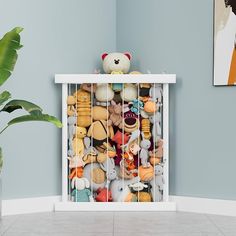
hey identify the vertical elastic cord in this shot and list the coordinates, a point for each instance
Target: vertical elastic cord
(91, 138)
(108, 134)
(122, 135)
(161, 126)
(138, 137)
(76, 137)
(69, 185)
(154, 143)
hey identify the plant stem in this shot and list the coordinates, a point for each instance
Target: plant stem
(3, 129)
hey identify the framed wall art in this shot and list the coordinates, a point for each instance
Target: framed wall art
(224, 42)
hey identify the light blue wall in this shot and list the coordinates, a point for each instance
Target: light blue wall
(60, 37)
(176, 37)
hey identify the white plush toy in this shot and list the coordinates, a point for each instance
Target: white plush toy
(155, 119)
(116, 63)
(157, 183)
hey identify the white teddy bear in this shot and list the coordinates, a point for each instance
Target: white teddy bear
(116, 63)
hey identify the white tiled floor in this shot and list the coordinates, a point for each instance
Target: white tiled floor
(118, 224)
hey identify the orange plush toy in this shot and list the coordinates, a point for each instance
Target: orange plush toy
(76, 172)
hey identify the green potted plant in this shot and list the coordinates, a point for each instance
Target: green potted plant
(9, 45)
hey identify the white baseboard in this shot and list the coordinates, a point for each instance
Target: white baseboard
(115, 206)
(187, 204)
(29, 205)
(205, 205)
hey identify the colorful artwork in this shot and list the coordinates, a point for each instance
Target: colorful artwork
(225, 42)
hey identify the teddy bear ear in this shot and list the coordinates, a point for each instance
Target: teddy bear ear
(104, 55)
(128, 55)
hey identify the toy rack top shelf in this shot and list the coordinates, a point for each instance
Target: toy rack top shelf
(115, 78)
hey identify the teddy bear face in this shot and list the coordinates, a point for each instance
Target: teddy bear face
(116, 62)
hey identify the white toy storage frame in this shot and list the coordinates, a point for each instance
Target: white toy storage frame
(66, 79)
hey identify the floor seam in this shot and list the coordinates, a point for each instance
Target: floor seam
(215, 224)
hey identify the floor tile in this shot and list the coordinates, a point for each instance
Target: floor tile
(164, 222)
(54, 234)
(167, 234)
(121, 223)
(66, 222)
(226, 224)
(6, 222)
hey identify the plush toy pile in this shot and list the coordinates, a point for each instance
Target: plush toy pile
(115, 146)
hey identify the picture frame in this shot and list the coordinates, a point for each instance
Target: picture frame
(224, 56)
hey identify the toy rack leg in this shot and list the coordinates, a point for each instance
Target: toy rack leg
(64, 144)
(166, 141)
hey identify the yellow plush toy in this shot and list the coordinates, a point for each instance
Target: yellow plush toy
(78, 141)
(83, 107)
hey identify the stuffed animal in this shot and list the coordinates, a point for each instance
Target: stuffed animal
(99, 131)
(120, 189)
(145, 145)
(81, 193)
(157, 184)
(104, 94)
(71, 122)
(78, 141)
(156, 127)
(103, 195)
(90, 153)
(144, 114)
(115, 114)
(116, 63)
(144, 91)
(131, 122)
(83, 107)
(157, 154)
(137, 105)
(155, 93)
(120, 138)
(89, 87)
(142, 191)
(135, 72)
(116, 87)
(99, 113)
(145, 124)
(96, 176)
(71, 101)
(129, 92)
(75, 161)
(132, 145)
(109, 167)
(127, 166)
(150, 107)
(76, 172)
(146, 174)
(124, 171)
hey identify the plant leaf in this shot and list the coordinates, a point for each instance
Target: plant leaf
(9, 45)
(4, 96)
(41, 117)
(22, 104)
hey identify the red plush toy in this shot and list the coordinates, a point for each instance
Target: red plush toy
(103, 195)
(120, 138)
